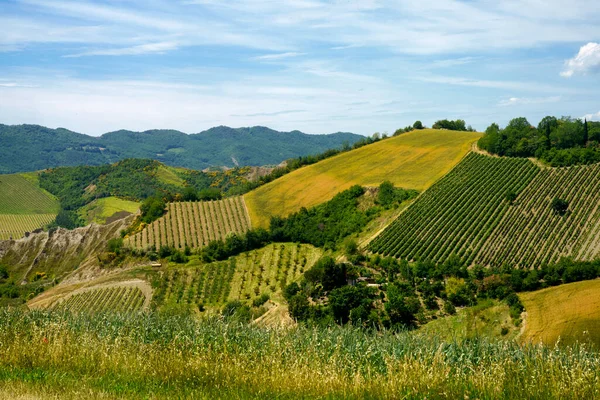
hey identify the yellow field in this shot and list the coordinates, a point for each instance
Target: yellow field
(414, 160)
(100, 210)
(570, 312)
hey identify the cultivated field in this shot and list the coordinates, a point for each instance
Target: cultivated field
(109, 299)
(194, 224)
(457, 214)
(101, 210)
(413, 160)
(467, 214)
(15, 226)
(24, 207)
(567, 313)
(244, 277)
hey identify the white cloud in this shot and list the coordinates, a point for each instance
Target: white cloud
(279, 56)
(516, 101)
(586, 61)
(592, 117)
(150, 48)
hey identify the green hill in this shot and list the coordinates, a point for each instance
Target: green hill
(34, 147)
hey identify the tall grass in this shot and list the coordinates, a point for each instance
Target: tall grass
(147, 356)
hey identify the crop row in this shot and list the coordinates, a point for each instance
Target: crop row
(19, 196)
(531, 233)
(203, 285)
(194, 224)
(459, 213)
(112, 299)
(15, 225)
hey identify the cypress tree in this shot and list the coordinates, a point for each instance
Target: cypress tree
(585, 132)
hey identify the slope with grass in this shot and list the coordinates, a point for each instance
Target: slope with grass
(568, 313)
(413, 160)
(194, 224)
(107, 209)
(24, 207)
(469, 213)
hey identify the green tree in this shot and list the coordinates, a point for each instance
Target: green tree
(387, 194)
(560, 206)
(418, 125)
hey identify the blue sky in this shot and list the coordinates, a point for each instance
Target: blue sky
(317, 66)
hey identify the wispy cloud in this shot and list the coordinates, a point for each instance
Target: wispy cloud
(269, 114)
(150, 48)
(516, 101)
(586, 61)
(592, 117)
(278, 56)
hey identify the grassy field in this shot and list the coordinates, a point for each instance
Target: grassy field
(569, 313)
(100, 210)
(24, 207)
(146, 356)
(413, 160)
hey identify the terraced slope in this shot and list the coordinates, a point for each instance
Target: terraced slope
(24, 207)
(244, 277)
(466, 214)
(567, 313)
(194, 224)
(413, 160)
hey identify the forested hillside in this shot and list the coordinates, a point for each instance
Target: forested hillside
(33, 147)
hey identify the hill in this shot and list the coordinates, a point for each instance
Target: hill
(468, 214)
(568, 313)
(34, 147)
(413, 160)
(24, 207)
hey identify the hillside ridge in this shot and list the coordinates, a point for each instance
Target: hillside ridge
(34, 147)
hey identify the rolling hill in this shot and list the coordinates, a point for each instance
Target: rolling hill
(467, 214)
(34, 147)
(24, 207)
(413, 160)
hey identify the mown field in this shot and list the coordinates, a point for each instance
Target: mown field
(245, 277)
(467, 214)
(101, 210)
(194, 224)
(413, 160)
(147, 356)
(567, 314)
(24, 207)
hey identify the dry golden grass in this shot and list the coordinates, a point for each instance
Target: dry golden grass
(413, 160)
(570, 312)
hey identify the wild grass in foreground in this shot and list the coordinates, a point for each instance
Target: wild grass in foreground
(145, 356)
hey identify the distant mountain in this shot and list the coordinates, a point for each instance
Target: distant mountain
(34, 147)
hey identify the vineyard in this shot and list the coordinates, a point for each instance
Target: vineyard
(113, 299)
(244, 277)
(15, 226)
(467, 214)
(531, 233)
(458, 214)
(194, 224)
(23, 207)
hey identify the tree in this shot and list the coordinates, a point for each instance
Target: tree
(418, 125)
(559, 206)
(586, 137)
(510, 196)
(386, 195)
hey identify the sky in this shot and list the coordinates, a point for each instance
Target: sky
(318, 66)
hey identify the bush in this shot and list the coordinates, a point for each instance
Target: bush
(259, 301)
